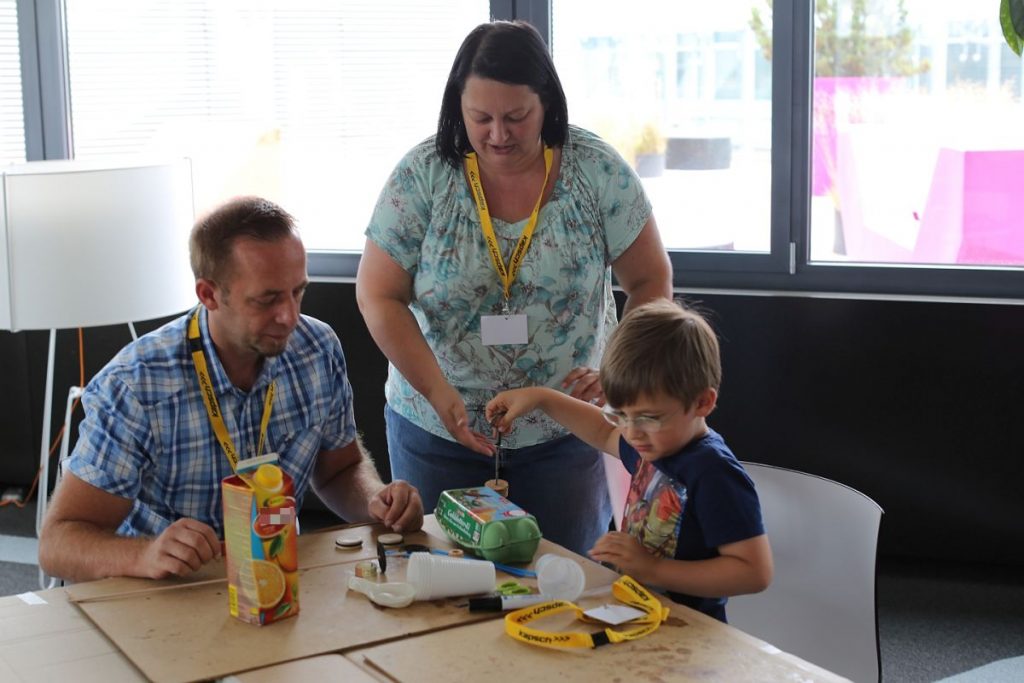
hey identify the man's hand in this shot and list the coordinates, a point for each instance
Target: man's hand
(79, 540)
(625, 552)
(183, 547)
(399, 506)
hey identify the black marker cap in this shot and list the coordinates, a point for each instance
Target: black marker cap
(491, 603)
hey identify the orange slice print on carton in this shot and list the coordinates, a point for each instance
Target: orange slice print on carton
(267, 582)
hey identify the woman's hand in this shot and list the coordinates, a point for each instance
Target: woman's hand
(452, 410)
(586, 385)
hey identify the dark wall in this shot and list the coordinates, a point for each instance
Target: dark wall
(915, 404)
(18, 406)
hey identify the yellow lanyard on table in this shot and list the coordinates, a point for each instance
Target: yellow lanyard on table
(195, 344)
(507, 275)
(626, 590)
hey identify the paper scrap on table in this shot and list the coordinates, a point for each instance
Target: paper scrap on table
(614, 614)
(31, 599)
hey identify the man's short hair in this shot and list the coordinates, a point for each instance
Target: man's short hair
(213, 236)
(661, 347)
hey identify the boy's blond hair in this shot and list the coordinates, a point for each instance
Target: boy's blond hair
(661, 347)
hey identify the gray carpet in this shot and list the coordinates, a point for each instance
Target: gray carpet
(17, 521)
(18, 578)
(937, 621)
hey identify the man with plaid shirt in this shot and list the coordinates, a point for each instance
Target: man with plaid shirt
(141, 494)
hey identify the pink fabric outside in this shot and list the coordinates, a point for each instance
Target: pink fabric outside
(968, 216)
(842, 96)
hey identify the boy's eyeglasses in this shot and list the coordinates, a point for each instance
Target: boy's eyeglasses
(643, 423)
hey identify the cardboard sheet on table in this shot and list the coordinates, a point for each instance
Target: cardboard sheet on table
(53, 640)
(689, 646)
(187, 634)
(151, 621)
(322, 668)
(184, 632)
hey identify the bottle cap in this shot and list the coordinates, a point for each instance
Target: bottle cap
(268, 477)
(348, 542)
(366, 570)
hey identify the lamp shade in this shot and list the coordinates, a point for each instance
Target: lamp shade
(94, 243)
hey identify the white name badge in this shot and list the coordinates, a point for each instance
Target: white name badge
(503, 329)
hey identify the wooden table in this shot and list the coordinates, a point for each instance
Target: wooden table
(134, 629)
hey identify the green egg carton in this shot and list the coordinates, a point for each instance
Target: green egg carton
(487, 524)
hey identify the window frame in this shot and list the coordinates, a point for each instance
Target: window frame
(787, 268)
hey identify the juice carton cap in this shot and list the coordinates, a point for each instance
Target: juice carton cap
(268, 477)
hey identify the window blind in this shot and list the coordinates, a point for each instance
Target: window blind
(301, 101)
(12, 119)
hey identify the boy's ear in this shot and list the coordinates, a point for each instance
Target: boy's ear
(706, 402)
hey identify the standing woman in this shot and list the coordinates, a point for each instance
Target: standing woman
(488, 266)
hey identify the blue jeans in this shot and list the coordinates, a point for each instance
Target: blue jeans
(561, 483)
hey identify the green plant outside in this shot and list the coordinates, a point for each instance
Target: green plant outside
(1011, 19)
(650, 141)
(856, 53)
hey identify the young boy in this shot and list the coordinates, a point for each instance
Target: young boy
(692, 524)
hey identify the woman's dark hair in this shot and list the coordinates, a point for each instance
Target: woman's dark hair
(511, 52)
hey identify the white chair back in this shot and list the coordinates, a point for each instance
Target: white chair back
(821, 603)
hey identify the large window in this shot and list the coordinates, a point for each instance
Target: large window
(307, 102)
(913, 170)
(12, 121)
(675, 88)
(836, 146)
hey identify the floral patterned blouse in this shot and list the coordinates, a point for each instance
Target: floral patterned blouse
(426, 220)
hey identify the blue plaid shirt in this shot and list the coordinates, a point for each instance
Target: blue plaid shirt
(146, 434)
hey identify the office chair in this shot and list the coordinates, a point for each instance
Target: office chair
(821, 603)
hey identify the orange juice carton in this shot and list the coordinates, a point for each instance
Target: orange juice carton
(260, 547)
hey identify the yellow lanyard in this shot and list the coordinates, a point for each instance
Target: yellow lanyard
(195, 344)
(507, 275)
(626, 590)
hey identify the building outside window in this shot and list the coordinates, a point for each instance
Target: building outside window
(891, 125)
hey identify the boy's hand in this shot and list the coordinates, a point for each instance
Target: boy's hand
(503, 409)
(625, 552)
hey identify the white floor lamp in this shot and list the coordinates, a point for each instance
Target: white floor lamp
(84, 244)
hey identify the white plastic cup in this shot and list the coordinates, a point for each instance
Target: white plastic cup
(560, 578)
(440, 576)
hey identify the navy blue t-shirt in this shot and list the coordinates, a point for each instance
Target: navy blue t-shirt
(686, 505)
